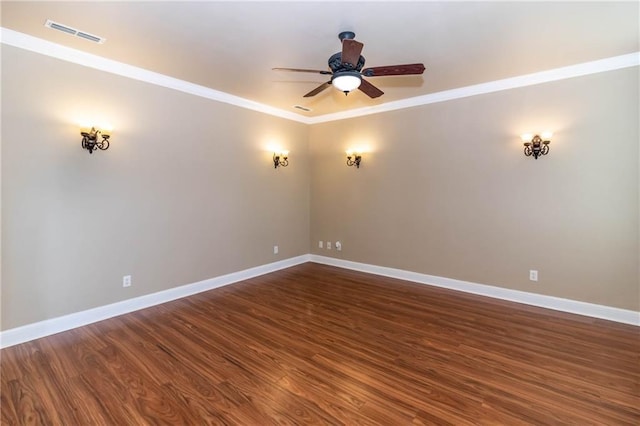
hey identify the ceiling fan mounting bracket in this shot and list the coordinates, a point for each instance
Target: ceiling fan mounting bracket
(347, 35)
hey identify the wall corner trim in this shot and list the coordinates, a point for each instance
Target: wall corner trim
(542, 301)
(48, 327)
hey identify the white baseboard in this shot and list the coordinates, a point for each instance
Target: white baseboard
(48, 327)
(550, 302)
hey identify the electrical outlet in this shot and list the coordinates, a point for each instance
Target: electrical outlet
(328, 245)
(126, 281)
(338, 246)
(275, 249)
(533, 275)
(320, 244)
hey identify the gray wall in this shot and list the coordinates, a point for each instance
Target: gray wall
(447, 191)
(187, 191)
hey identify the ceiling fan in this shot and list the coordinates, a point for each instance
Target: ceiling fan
(346, 69)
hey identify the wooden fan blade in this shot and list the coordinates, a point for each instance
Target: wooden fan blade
(407, 69)
(303, 70)
(351, 51)
(369, 89)
(318, 89)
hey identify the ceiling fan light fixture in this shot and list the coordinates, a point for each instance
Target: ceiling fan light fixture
(346, 81)
(346, 70)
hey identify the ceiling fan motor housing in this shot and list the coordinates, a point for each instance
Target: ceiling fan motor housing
(336, 65)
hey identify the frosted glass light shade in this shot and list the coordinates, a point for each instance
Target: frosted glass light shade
(347, 81)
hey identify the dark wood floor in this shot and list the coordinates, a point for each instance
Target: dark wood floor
(315, 344)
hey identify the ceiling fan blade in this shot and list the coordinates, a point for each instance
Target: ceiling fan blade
(318, 89)
(407, 69)
(369, 89)
(303, 70)
(351, 51)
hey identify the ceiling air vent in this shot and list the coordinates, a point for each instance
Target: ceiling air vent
(74, 32)
(305, 109)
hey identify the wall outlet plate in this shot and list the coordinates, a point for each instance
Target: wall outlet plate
(533, 275)
(126, 281)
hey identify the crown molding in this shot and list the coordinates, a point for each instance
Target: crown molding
(578, 70)
(47, 48)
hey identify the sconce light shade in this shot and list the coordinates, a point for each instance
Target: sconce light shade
(354, 159)
(536, 145)
(346, 81)
(281, 159)
(91, 141)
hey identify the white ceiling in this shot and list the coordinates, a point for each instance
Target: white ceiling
(232, 46)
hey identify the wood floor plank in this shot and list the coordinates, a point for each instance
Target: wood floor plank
(315, 344)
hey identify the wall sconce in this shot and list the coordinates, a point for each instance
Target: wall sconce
(281, 159)
(536, 145)
(354, 159)
(90, 139)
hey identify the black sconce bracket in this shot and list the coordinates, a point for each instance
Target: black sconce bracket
(280, 160)
(90, 140)
(536, 147)
(354, 160)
